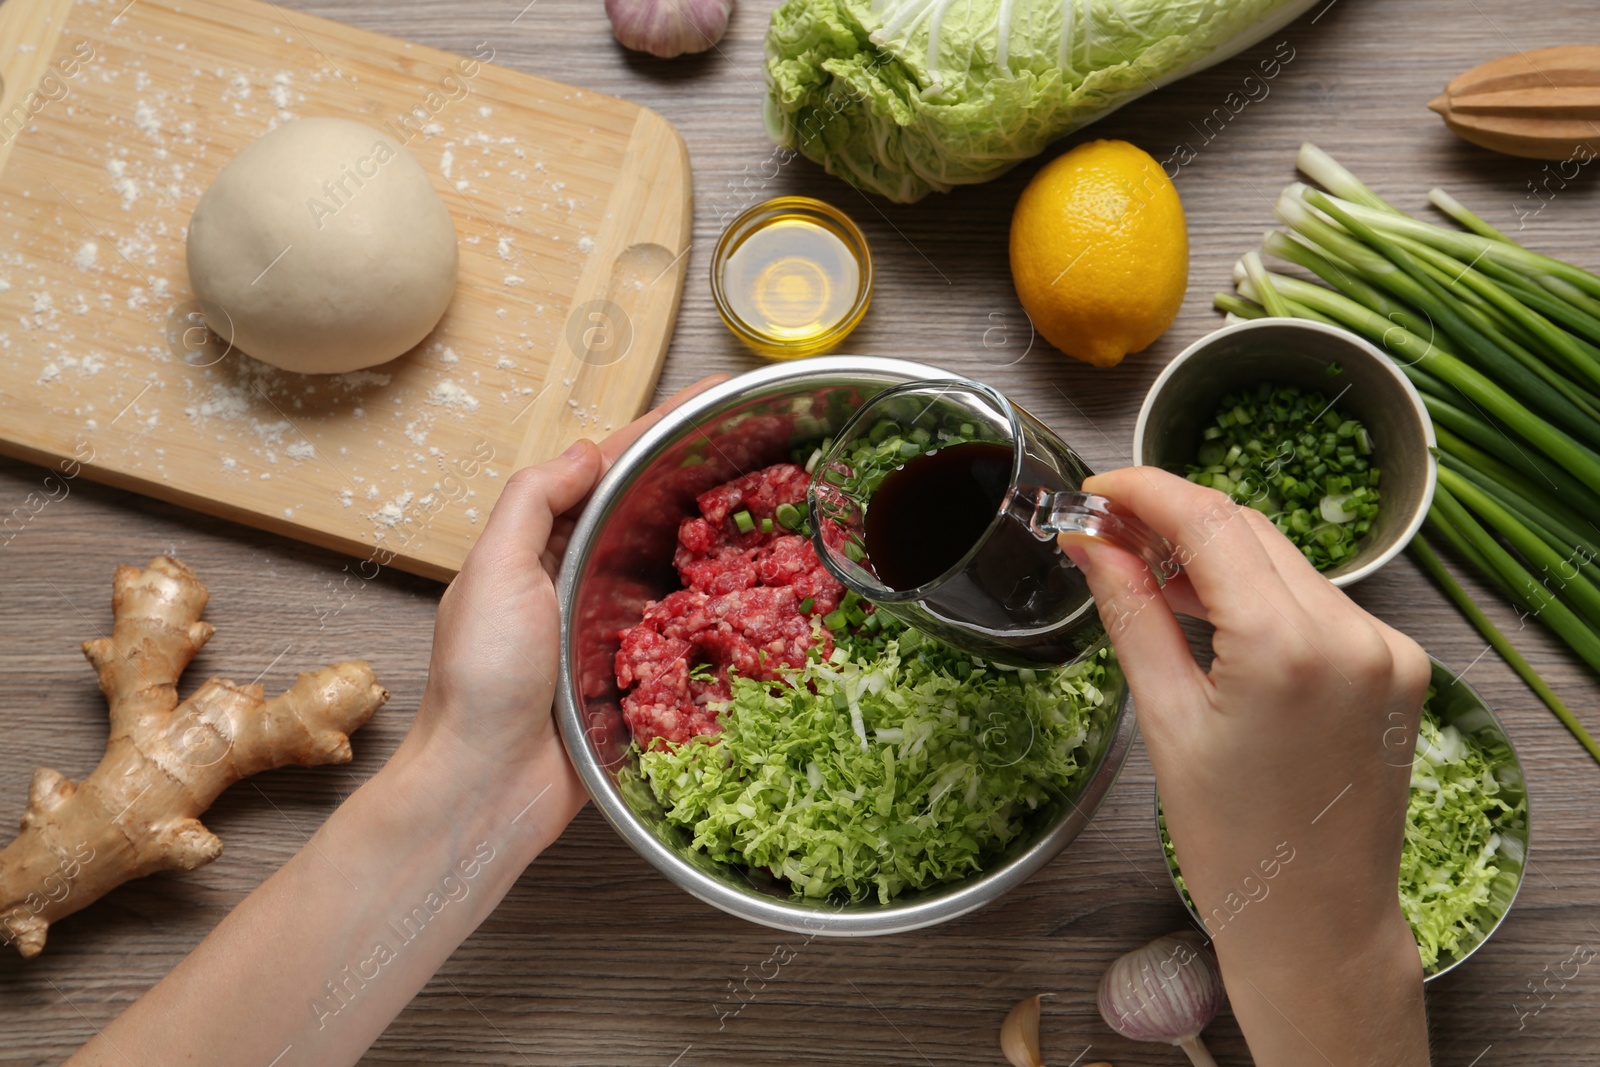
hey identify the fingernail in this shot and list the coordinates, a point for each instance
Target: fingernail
(576, 449)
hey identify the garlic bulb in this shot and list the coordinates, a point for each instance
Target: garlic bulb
(668, 28)
(1168, 991)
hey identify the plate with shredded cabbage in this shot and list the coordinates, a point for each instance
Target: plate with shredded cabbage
(1466, 838)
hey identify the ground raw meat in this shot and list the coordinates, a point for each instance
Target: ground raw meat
(739, 610)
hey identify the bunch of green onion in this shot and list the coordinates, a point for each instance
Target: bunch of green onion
(1504, 345)
(1290, 455)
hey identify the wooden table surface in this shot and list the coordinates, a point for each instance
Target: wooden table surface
(594, 958)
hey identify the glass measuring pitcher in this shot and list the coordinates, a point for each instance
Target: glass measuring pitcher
(971, 493)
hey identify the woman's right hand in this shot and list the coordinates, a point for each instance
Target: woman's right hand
(1284, 771)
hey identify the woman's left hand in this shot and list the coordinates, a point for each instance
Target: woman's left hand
(491, 681)
(413, 861)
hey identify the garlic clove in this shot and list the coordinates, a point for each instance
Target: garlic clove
(669, 28)
(1019, 1034)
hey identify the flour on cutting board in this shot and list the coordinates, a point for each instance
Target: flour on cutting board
(448, 394)
(248, 421)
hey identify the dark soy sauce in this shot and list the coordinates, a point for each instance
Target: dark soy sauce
(1019, 599)
(929, 513)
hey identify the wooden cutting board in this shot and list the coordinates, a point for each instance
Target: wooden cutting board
(573, 215)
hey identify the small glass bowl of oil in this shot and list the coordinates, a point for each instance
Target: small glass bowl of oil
(792, 277)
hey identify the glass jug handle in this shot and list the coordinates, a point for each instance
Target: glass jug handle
(1092, 515)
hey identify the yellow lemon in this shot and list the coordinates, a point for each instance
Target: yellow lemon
(1100, 251)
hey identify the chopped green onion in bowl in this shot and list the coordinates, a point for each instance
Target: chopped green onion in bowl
(1296, 458)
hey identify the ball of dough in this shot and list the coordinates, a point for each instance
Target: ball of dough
(323, 248)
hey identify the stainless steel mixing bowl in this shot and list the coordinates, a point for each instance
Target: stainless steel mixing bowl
(620, 557)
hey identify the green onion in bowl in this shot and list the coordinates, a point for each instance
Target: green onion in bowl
(1290, 454)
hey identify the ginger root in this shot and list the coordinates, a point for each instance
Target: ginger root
(165, 762)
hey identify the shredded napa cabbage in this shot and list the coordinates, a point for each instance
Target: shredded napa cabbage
(1463, 852)
(896, 766)
(1459, 866)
